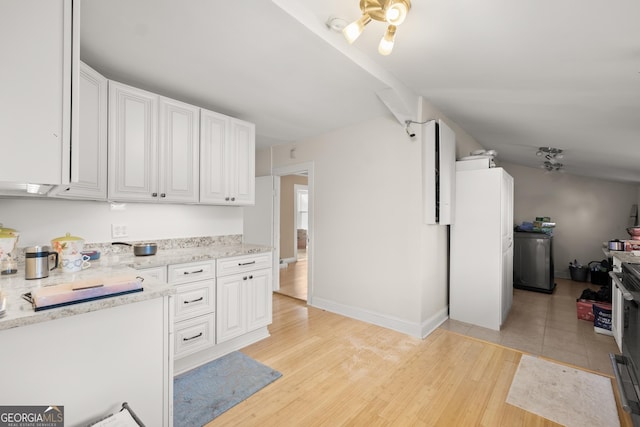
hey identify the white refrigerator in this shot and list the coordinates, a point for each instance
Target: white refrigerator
(481, 251)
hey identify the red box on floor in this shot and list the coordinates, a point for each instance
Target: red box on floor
(584, 308)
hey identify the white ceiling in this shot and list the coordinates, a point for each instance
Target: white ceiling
(516, 75)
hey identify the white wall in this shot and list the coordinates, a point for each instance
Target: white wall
(373, 258)
(367, 213)
(40, 220)
(587, 211)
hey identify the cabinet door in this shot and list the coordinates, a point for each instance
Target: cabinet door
(133, 163)
(242, 160)
(178, 142)
(89, 148)
(35, 83)
(231, 307)
(259, 299)
(214, 128)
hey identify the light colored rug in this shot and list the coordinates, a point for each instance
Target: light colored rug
(207, 391)
(565, 395)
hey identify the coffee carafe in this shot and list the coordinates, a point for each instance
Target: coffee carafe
(38, 261)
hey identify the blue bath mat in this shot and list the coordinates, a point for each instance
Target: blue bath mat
(205, 392)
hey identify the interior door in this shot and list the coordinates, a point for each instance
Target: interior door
(259, 220)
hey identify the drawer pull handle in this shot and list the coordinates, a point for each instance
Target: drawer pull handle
(244, 278)
(194, 272)
(240, 264)
(193, 300)
(193, 337)
(250, 277)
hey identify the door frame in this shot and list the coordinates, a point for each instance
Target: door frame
(308, 168)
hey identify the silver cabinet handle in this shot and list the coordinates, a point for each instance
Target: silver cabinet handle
(193, 272)
(193, 300)
(193, 337)
(240, 264)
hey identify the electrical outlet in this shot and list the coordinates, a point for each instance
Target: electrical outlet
(119, 230)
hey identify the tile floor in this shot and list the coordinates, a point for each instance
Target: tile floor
(548, 325)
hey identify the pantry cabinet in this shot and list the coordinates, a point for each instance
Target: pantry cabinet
(153, 147)
(89, 148)
(227, 160)
(244, 288)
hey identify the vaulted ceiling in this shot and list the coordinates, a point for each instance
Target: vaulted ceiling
(516, 75)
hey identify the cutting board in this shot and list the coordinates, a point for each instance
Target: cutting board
(84, 290)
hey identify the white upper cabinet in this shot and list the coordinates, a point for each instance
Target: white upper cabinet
(35, 83)
(151, 159)
(178, 149)
(227, 160)
(89, 147)
(133, 143)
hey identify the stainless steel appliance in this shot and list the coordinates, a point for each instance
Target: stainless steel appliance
(625, 366)
(533, 262)
(37, 261)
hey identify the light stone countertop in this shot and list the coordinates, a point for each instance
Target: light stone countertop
(622, 256)
(19, 312)
(183, 255)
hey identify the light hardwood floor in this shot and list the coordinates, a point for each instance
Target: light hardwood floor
(293, 278)
(341, 371)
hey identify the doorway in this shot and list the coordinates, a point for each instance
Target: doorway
(295, 201)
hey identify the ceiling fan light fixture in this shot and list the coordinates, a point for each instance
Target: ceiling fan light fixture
(352, 31)
(551, 156)
(386, 43)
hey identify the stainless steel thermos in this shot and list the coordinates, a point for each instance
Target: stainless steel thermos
(37, 261)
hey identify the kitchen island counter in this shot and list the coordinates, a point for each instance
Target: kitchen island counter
(20, 312)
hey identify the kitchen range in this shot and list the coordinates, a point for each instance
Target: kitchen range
(627, 316)
(194, 301)
(625, 322)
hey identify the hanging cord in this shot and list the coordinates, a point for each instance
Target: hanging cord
(408, 122)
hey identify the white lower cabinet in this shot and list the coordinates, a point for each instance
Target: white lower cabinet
(244, 296)
(194, 335)
(220, 306)
(157, 273)
(194, 306)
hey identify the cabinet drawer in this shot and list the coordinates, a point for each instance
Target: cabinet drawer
(194, 335)
(241, 264)
(189, 272)
(194, 299)
(156, 273)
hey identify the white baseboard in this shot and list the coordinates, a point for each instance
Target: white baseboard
(432, 323)
(384, 320)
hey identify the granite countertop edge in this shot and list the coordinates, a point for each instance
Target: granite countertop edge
(19, 312)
